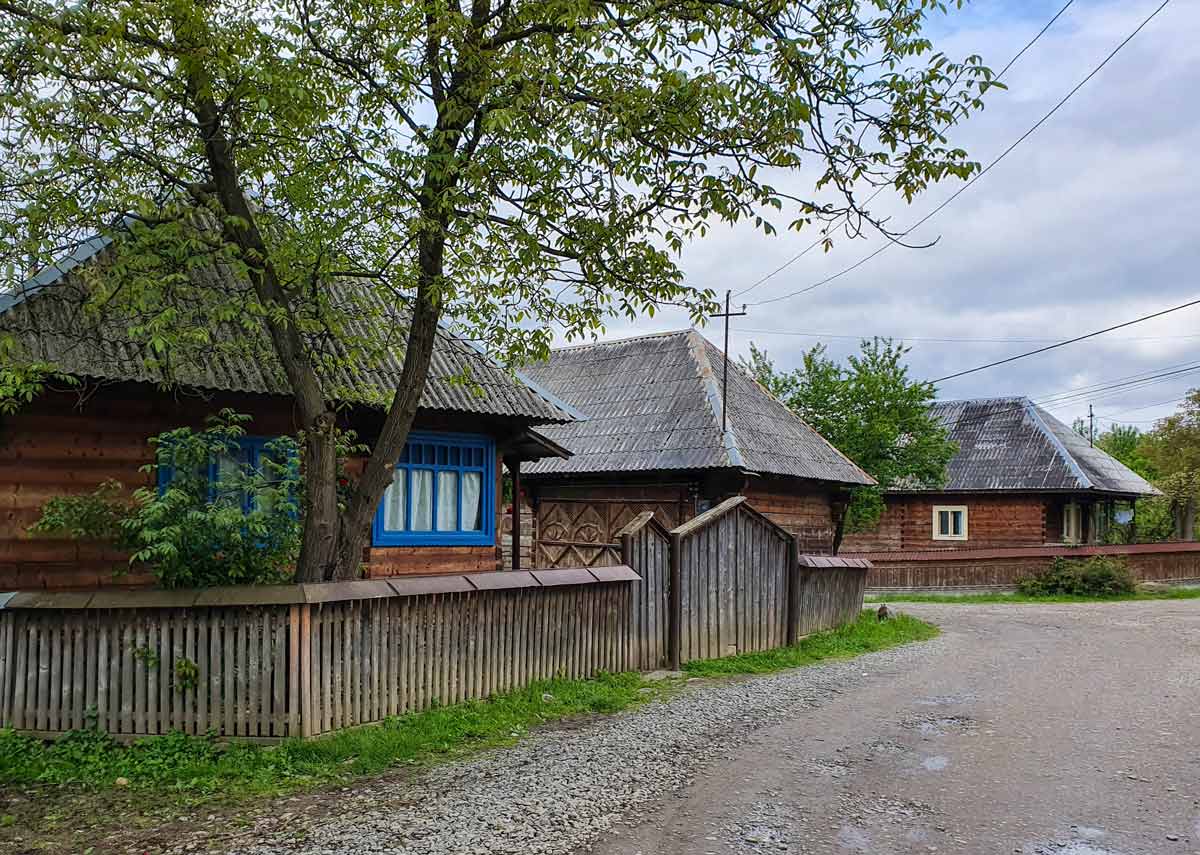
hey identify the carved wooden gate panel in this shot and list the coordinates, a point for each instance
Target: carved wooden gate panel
(583, 532)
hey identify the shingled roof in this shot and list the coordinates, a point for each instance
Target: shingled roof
(1012, 444)
(46, 317)
(654, 403)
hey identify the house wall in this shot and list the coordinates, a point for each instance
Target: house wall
(65, 443)
(577, 521)
(804, 509)
(1014, 519)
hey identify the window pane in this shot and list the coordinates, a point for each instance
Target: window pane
(393, 502)
(943, 522)
(447, 510)
(472, 501)
(956, 518)
(422, 500)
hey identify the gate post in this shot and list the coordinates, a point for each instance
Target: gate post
(793, 591)
(675, 604)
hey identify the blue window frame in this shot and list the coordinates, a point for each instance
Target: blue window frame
(443, 493)
(250, 452)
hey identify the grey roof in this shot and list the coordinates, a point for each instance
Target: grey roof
(48, 318)
(1011, 444)
(654, 403)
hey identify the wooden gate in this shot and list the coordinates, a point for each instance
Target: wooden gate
(587, 532)
(646, 545)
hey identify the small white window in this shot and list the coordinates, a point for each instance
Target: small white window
(1072, 523)
(950, 522)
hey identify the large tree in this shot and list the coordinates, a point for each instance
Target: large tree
(1172, 449)
(872, 411)
(513, 166)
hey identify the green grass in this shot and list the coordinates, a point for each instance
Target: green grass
(966, 599)
(865, 635)
(186, 764)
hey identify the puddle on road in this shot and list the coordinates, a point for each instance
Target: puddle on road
(935, 764)
(938, 725)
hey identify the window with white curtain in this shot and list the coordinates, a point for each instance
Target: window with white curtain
(442, 493)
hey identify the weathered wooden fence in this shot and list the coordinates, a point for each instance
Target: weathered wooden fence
(830, 591)
(730, 581)
(300, 660)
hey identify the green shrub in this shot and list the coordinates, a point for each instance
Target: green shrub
(209, 520)
(1099, 576)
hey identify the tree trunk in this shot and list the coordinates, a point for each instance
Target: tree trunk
(1188, 519)
(319, 538)
(422, 333)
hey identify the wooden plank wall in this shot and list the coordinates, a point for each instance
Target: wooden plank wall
(646, 548)
(733, 585)
(377, 658)
(829, 597)
(268, 672)
(150, 671)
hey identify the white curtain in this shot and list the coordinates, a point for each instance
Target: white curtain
(422, 500)
(393, 502)
(447, 511)
(472, 501)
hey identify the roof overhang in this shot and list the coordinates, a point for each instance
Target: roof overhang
(531, 445)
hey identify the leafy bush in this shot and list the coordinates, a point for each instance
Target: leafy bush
(1099, 576)
(214, 521)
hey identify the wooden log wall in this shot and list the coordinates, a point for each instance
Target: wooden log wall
(279, 669)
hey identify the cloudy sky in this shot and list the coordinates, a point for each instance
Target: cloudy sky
(1091, 221)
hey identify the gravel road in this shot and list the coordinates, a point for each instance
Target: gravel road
(1047, 729)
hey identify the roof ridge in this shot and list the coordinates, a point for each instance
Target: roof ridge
(640, 337)
(716, 401)
(1049, 433)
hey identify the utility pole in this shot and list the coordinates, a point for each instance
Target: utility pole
(1091, 426)
(725, 380)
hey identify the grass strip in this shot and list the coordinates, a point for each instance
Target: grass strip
(193, 769)
(865, 635)
(186, 764)
(967, 599)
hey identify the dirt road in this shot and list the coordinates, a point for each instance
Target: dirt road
(1069, 729)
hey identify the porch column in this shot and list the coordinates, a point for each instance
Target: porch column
(514, 469)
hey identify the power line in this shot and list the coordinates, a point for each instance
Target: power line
(927, 340)
(979, 174)
(879, 190)
(1067, 341)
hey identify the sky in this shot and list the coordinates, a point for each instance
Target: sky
(1090, 222)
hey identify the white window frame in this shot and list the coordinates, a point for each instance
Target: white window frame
(1072, 523)
(940, 509)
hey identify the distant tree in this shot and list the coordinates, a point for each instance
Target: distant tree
(513, 168)
(872, 411)
(1124, 442)
(1172, 448)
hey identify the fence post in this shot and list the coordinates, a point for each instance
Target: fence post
(793, 600)
(304, 662)
(675, 604)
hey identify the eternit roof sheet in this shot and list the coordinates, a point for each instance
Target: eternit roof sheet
(1012, 444)
(48, 318)
(654, 403)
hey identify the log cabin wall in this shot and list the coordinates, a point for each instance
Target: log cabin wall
(802, 508)
(69, 442)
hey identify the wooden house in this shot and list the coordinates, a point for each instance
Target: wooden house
(1020, 478)
(659, 432)
(440, 515)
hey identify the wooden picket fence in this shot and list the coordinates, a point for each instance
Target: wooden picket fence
(265, 663)
(300, 660)
(731, 581)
